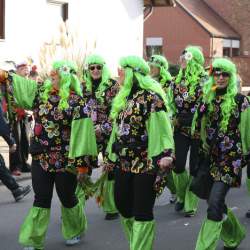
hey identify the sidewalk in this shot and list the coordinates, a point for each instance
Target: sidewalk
(4, 150)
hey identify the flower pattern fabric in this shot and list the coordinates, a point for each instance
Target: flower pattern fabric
(185, 105)
(227, 157)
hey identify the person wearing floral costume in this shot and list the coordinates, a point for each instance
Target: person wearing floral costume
(223, 115)
(100, 91)
(159, 72)
(141, 146)
(62, 146)
(185, 93)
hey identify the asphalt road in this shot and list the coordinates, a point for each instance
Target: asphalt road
(174, 231)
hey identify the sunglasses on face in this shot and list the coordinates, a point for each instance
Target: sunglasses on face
(220, 73)
(93, 67)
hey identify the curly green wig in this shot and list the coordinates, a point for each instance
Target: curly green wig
(68, 80)
(134, 66)
(228, 103)
(162, 63)
(104, 84)
(194, 70)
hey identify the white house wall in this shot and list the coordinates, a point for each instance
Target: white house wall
(115, 25)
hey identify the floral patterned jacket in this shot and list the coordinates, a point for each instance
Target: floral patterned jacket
(227, 149)
(60, 136)
(142, 126)
(99, 109)
(184, 105)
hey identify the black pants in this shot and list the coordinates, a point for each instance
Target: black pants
(19, 158)
(182, 145)
(43, 185)
(5, 176)
(135, 195)
(216, 201)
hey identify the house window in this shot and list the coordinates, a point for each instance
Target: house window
(2, 19)
(154, 46)
(231, 48)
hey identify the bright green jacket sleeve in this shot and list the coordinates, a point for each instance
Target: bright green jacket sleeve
(82, 139)
(112, 156)
(244, 130)
(24, 91)
(160, 133)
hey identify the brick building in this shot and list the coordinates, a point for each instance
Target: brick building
(220, 27)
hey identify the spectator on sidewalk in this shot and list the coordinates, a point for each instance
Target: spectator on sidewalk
(8, 180)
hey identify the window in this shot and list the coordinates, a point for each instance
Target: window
(154, 46)
(231, 48)
(2, 19)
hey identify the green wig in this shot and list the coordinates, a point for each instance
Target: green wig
(194, 70)
(228, 103)
(104, 84)
(68, 80)
(134, 66)
(162, 63)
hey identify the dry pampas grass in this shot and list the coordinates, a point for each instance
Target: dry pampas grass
(68, 46)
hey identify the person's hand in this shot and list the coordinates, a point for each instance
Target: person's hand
(98, 132)
(3, 75)
(165, 163)
(13, 148)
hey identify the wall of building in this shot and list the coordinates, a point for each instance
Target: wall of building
(178, 30)
(115, 25)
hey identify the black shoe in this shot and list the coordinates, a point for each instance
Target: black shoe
(20, 192)
(110, 216)
(190, 214)
(179, 206)
(248, 214)
(230, 248)
(26, 168)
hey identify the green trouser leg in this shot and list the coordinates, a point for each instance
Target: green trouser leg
(143, 234)
(170, 183)
(181, 183)
(34, 228)
(108, 197)
(127, 224)
(73, 221)
(248, 185)
(209, 235)
(191, 200)
(232, 232)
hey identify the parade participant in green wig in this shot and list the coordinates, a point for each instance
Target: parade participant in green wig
(223, 115)
(185, 92)
(59, 150)
(100, 90)
(159, 72)
(141, 145)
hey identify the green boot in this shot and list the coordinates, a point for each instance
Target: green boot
(170, 183)
(191, 200)
(232, 232)
(248, 185)
(143, 234)
(209, 235)
(181, 183)
(108, 197)
(127, 224)
(34, 228)
(74, 222)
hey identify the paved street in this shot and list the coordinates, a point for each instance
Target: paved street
(174, 232)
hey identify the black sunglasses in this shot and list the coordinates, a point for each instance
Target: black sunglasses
(93, 67)
(220, 73)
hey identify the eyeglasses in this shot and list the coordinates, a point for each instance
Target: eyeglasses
(93, 67)
(220, 73)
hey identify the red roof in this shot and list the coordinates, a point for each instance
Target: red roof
(159, 2)
(208, 19)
